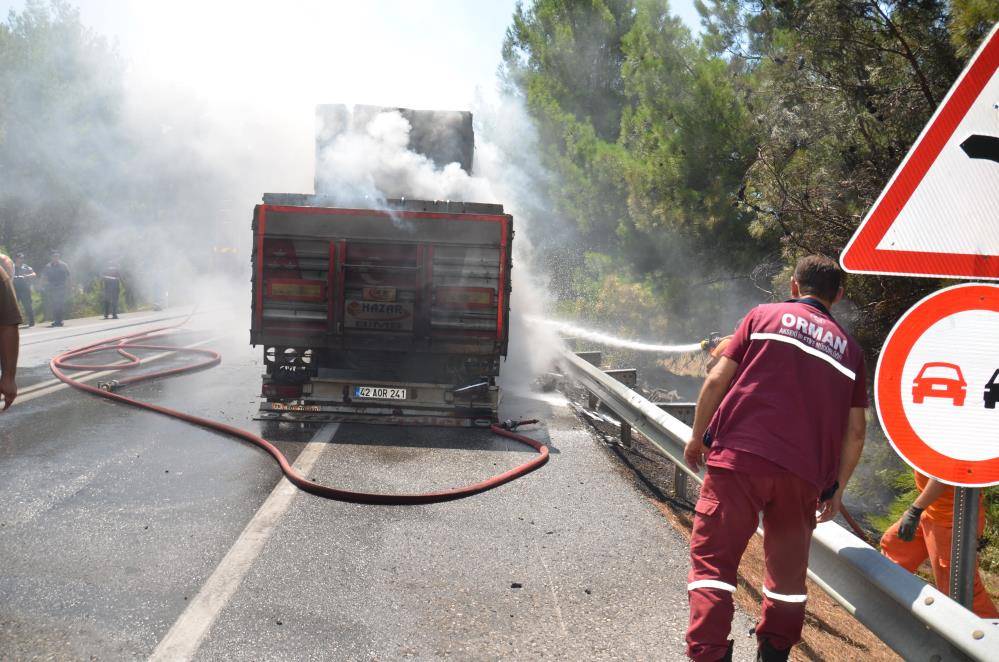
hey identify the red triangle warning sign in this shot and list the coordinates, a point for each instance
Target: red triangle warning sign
(939, 214)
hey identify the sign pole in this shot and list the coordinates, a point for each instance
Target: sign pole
(964, 546)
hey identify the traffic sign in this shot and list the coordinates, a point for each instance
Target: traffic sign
(938, 215)
(937, 385)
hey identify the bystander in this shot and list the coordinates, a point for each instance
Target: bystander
(10, 318)
(55, 287)
(24, 275)
(111, 287)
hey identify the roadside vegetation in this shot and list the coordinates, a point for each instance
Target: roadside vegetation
(86, 170)
(692, 170)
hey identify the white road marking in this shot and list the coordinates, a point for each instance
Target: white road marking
(53, 385)
(66, 332)
(551, 587)
(184, 638)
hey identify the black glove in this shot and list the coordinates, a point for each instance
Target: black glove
(909, 523)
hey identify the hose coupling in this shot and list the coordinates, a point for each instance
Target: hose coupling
(110, 386)
(512, 425)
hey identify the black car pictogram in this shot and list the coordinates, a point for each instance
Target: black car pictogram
(992, 391)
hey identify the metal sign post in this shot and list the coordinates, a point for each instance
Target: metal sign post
(964, 547)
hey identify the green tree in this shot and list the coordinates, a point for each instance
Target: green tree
(61, 86)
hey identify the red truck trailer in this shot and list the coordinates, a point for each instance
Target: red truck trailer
(398, 314)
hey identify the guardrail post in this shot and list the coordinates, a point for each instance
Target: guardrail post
(625, 435)
(679, 482)
(591, 401)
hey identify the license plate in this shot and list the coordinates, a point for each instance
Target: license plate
(380, 392)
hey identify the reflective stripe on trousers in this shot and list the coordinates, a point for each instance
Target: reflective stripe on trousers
(726, 517)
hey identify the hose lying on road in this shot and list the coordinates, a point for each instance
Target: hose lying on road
(147, 340)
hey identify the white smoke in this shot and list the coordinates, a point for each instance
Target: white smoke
(368, 160)
(371, 161)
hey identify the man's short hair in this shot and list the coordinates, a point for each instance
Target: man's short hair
(818, 275)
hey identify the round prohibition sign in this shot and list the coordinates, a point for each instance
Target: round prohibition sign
(937, 385)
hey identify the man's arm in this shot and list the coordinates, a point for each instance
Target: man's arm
(934, 488)
(716, 385)
(9, 343)
(853, 446)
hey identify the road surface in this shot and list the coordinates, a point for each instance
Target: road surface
(126, 535)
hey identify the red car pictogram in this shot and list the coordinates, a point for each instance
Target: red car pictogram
(940, 380)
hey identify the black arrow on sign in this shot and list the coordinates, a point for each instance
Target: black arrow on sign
(982, 147)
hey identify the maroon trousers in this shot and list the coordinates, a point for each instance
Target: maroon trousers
(727, 515)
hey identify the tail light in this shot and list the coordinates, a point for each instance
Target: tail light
(465, 297)
(286, 391)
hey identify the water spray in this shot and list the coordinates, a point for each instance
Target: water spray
(605, 339)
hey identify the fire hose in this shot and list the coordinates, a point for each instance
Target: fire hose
(151, 340)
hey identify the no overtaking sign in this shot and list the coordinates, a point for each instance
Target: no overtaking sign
(937, 385)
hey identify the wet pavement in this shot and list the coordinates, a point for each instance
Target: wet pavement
(114, 520)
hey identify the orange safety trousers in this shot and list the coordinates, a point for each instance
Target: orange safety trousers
(933, 542)
(726, 517)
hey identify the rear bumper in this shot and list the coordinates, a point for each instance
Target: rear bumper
(331, 400)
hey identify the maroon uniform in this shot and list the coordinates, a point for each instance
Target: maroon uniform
(775, 444)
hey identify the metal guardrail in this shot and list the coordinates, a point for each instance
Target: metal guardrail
(913, 618)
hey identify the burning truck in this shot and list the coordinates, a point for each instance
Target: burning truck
(390, 311)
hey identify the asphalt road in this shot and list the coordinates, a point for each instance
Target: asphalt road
(125, 535)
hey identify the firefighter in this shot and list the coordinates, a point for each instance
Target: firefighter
(780, 424)
(715, 347)
(925, 531)
(10, 318)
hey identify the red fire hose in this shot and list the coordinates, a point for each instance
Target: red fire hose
(146, 340)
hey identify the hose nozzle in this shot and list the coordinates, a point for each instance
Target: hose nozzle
(711, 341)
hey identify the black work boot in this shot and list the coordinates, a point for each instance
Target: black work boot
(728, 654)
(767, 653)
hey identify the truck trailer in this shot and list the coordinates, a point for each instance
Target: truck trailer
(394, 313)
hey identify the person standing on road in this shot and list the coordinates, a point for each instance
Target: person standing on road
(111, 283)
(23, 277)
(10, 318)
(925, 531)
(56, 286)
(780, 424)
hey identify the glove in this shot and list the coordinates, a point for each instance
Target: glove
(908, 524)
